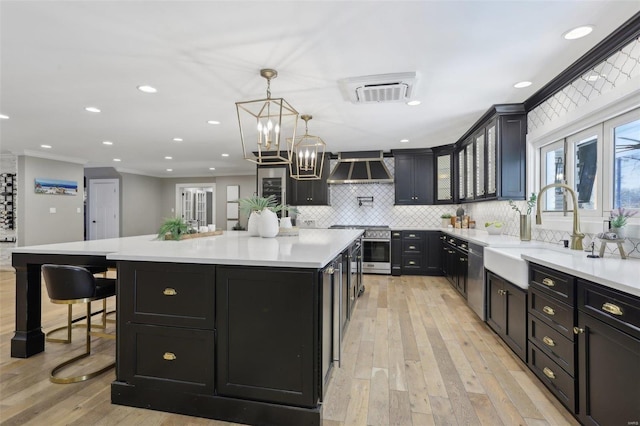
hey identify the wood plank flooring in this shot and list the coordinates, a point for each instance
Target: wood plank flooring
(414, 354)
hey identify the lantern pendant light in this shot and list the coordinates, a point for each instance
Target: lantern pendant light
(264, 123)
(308, 155)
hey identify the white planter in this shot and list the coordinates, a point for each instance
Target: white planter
(285, 222)
(269, 226)
(253, 225)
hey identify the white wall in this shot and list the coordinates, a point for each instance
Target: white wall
(36, 225)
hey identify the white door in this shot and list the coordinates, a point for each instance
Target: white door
(104, 209)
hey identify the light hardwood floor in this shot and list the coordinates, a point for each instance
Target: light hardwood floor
(414, 354)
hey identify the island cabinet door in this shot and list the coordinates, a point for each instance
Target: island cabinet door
(267, 322)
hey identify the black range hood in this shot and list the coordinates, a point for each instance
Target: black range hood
(360, 167)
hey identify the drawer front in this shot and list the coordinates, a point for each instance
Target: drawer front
(167, 294)
(619, 310)
(167, 357)
(554, 313)
(412, 262)
(412, 246)
(554, 283)
(413, 235)
(559, 382)
(557, 347)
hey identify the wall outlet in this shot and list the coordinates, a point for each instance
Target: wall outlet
(78, 210)
(52, 209)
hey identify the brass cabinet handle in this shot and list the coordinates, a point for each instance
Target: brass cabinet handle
(411, 262)
(169, 291)
(548, 310)
(330, 270)
(612, 309)
(412, 247)
(396, 234)
(548, 282)
(463, 245)
(412, 235)
(463, 259)
(550, 374)
(548, 341)
(169, 356)
(578, 330)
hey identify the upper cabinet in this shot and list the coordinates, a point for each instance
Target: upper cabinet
(414, 174)
(310, 192)
(491, 156)
(443, 163)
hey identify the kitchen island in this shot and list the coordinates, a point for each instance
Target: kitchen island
(227, 327)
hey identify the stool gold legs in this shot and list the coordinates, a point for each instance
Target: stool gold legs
(70, 324)
(73, 379)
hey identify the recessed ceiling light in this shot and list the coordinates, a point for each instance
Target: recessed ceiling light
(92, 109)
(45, 146)
(212, 168)
(522, 84)
(225, 155)
(213, 122)
(168, 158)
(578, 32)
(413, 103)
(117, 159)
(4, 117)
(169, 170)
(107, 143)
(404, 140)
(147, 89)
(178, 139)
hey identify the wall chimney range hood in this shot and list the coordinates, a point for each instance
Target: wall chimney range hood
(360, 167)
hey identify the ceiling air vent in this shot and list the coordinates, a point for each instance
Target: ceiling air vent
(397, 87)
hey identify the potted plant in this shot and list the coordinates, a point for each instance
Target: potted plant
(254, 206)
(525, 219)
(446, 220)
(173, 229)
(618, 219)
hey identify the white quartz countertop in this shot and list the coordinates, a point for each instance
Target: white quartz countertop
(312, 248)
(610, 271)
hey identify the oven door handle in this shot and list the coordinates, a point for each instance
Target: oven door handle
(376, 240)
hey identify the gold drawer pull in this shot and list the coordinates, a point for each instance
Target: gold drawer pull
(411, 262)
(548, 282)
(550, 374)
(412, 247)
(169, 291)
(169, 356)
(548, 310)
(396, 234)
(578, 330)
(412, 235)
(548, 341)
(612, 309)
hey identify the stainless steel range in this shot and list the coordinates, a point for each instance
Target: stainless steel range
(376, 248)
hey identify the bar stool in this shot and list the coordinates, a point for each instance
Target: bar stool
(73, 323)
(70, 285)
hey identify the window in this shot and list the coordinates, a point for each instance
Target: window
(625, 133)
(601, 164)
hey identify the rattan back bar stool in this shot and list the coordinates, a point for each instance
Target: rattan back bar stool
(70, 285)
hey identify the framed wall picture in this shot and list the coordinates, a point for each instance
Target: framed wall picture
(55, 187)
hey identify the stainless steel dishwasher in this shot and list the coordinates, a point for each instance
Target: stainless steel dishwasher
(475, 281)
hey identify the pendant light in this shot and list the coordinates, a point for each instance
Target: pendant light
(264, 123)
(308, 155)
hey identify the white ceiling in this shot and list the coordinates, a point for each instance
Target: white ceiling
(58, 57)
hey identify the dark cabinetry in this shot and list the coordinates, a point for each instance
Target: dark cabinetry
(609, 356)
(552, 316)
(416, 253)
(444, 172)
(507, 313)
(490, 158)
(310, 192)
(396, 253)
(414, 175)
(455, 263)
